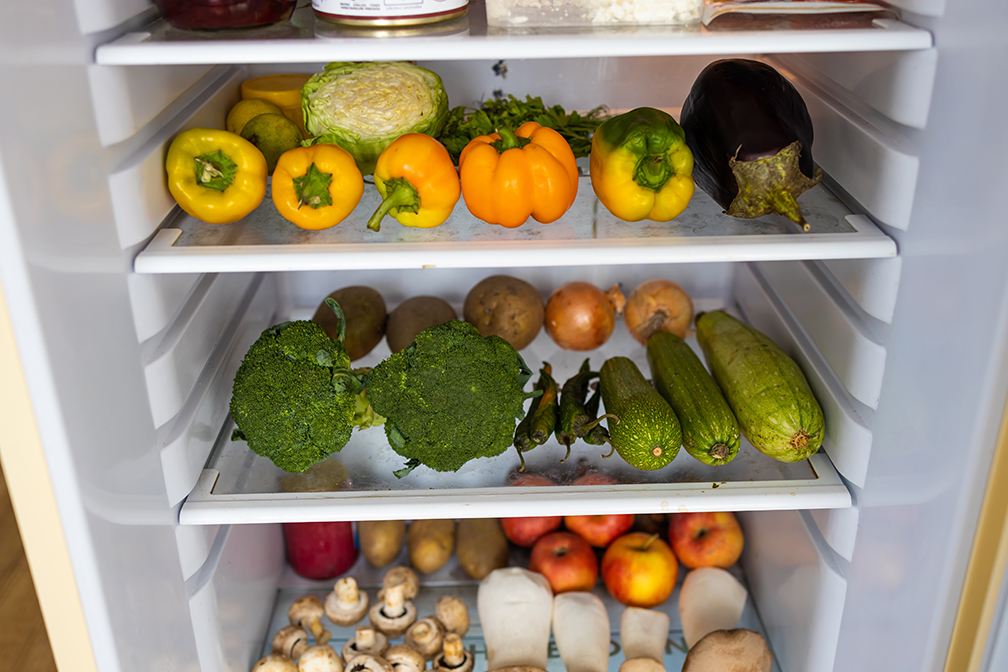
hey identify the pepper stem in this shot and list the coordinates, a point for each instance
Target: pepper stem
(215, 170)
(312, 188)
(399, 195)
(508, 140)
(653, 171)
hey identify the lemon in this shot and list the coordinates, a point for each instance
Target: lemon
(273, 134)
(245, 110)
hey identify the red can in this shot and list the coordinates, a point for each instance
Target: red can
(320, 550)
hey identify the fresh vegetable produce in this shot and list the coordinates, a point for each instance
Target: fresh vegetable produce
(525, 531)
(540, 419)
(320, 658)
(710, 599)
(215, 176)
(566, 560)
(453, 614)
(426, 637)
(465, 123)
(346, 604)
(751, 137)
(641, 167)
(641, 665)
(450, 397)
(430, 544)
(366, 641)
(394, 614)
(515, 610)
(580, 316)
(316, 187)
(363, 107)
(509, 176)
(295, 399)
(381, 540)
(454, 656)
(574, 420)
(307, 612)
(581, 632)
(739, 650)
(639, 570)
(647, 433)
(507, 307)
(482, 546)
(272, 134)
(710, 432)
(413, 316)
(644, 633)
(417, 182)
(657, 305)
(765, 389)
(706, 538)
(364, 311)
(244, 110)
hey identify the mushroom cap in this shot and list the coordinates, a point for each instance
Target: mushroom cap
(275, 662)
(291, 641)
(641, 665)
(305, 608)
(453, 614)
(426, 636)
(367, 663)
(320, 658)
(393, 626)
(342, 614)
(737, 650)
(519, 668)
(404, 658)
(351, 649)
(404, 575)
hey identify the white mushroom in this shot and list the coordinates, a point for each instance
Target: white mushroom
(454, 657)
(641, 665)
(320, 658)
(426, 636)
(644, 633)
(742, 650)
(346, 605)
(367, 663)
(394, 614)
(515, 607)
(405, 658)
(290, 641)
(453, 614)
(307, 612)
(710, 599)
(275, 662)
(367, 640)
(581, 631)
(404, 575)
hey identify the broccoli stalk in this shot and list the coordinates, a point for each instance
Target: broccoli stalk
(295, 398)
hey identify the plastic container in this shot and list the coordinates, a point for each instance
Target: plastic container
(367, 13)
(552, 13)
(225, 14)
(284, 91)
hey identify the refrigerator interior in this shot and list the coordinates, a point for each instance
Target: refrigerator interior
(133, 318)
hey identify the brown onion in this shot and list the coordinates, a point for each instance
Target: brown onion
(580, 316)
(658, 305)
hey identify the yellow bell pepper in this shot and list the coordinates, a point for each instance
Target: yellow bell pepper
(417, 181)
(641, 167)
(509, 176)
(216, 176)
(316, 187)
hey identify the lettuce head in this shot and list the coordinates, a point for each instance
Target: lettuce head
(363, 107)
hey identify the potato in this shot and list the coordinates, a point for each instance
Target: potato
(507, 307)
(413, 316)
(482, 546)
(364, 309)
(381, 540)
(430, 544)
(738, 650)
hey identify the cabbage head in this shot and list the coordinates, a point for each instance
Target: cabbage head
(363, 107)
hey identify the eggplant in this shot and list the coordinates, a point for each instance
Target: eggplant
(751, 138)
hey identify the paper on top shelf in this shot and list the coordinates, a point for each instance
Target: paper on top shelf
(715, 8)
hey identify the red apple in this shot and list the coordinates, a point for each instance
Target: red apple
(566, 560)
(525, 531)
(706, 539)
(600, 530)
(320, 550)
(639, 570)
(595, 479)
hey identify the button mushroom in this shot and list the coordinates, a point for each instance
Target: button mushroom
(291, 641)
(275, 662)
(738, 649)
(581, 631)
(454, 657)
(426, 636)
(644, 633)
(515, 608)
(405, 658)
(453, 614)
(641, 665)
(404, 575)
(394, 614)
(365, 662)
(320, 658)
(346, 605)
(367, 640)
(306, 612)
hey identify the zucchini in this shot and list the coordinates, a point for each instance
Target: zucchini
(646, 431)
(710, 432)
(766, 390)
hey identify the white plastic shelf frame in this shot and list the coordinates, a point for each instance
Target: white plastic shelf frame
(357, 483)
(305, 40)
(586, 235)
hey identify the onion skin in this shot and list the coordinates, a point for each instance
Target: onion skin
(579, 316)
(658, 305)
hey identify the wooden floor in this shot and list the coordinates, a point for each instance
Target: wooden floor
(24, 645)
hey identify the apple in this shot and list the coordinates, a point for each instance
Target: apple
(320, 550)
(639, 570)
(566, 560)
(525, 531)
(599, 530)
(706, 539)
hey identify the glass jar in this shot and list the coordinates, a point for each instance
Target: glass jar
(225, 14)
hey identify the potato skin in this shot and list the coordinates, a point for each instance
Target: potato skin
(430, 543)
(413, 316)
(364, 309)
(381, 540)
(507, 307)
(482, 546)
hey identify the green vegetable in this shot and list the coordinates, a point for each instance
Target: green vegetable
(647, 435)
(465, 123)
(545, 416)
(363, 107)
(572, 414)
(766, 390)
(295, 399)
(710, 432)
(450, 396)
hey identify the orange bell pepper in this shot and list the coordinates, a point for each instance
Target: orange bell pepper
(316, 187)
(508, 176)
(417, 181)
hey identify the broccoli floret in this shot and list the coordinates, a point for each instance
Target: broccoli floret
(450, 396)
(295, 399)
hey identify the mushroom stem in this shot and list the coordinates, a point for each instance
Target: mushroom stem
(346, 592)
(365, 636)
(394, 603)
(453, 652)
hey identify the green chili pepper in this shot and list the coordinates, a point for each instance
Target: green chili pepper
(572, 415)
(545, 416)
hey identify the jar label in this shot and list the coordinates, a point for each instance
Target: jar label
(386, 8)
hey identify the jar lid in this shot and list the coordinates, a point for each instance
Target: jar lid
(282, 90)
